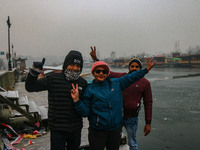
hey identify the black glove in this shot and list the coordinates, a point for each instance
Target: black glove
(37, 67)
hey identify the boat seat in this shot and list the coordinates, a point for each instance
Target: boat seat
(33, 109)
(2, 89)
(11, 95)
(23, 101)
(43, 112)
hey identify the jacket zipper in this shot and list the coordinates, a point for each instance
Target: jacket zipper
(97, 123)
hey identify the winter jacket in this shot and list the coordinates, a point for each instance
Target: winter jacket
(103, 103)
(61, 113)
(133, 95)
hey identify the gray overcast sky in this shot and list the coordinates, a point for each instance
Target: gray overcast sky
(53, 27)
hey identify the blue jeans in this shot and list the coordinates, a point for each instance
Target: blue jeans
(131, 125)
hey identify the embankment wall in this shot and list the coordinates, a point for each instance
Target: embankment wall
(8, 79)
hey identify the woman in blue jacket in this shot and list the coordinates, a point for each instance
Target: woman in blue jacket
(103, 105)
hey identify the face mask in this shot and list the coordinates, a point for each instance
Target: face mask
(72, 76)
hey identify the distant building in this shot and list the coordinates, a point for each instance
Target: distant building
(176, 54)
(19, 62)
(189, 60)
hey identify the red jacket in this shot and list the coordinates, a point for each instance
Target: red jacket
(133, 95)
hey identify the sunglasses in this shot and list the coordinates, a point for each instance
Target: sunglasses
(103, 71)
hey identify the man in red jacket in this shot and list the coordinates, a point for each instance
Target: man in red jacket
(132, 97)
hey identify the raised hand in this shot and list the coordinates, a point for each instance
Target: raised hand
(37, 68)
(150, 63)
(93, 53)
(39, 64)
(75, 93)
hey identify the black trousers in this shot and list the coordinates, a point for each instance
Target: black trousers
(60, 139)
(99, 139)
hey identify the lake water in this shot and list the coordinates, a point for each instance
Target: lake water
(176, 110)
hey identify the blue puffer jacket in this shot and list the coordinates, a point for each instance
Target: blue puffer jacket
(103, 103)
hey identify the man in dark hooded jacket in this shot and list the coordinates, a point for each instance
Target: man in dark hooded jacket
(64, 122)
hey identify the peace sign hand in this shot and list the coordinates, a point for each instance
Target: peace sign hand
(75, 93)
(150, 63)
(93, 53)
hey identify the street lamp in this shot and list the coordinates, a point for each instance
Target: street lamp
(9, 61)
(13, 56)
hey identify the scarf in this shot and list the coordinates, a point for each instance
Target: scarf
(71, 75)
